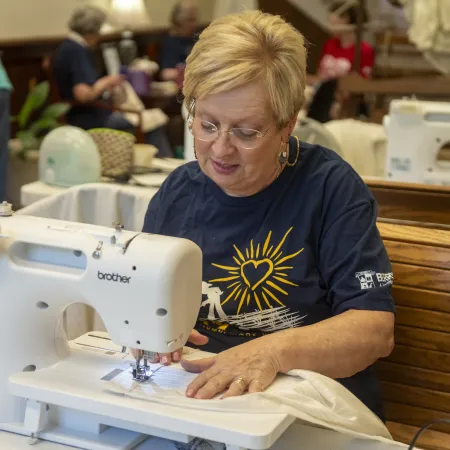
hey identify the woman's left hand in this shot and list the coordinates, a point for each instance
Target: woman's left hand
(248, 367)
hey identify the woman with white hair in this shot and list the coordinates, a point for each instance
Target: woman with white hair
(288, 230)
(179, 42)
(77, 79)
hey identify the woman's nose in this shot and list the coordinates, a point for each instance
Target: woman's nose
(222, 146)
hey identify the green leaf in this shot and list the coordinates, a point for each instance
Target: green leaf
(35, 99)
(43, 124)
(55, 111)
(28, 139)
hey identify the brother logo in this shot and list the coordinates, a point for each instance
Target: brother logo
(113, 277)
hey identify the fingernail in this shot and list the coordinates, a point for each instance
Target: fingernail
(164, 360)
(176, 356)
(189, 392)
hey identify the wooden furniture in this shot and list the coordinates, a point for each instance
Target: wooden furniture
(352, 86)
(411, 202)
(416, 376)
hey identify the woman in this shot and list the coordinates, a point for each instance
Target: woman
(77, 79)
(179, 42)
(5, 94)
(292, 255)
(338, 55)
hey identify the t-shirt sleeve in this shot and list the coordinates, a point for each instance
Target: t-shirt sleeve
(81, 68)
(150, 221)
(352, 258)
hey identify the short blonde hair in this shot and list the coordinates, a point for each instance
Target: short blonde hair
(246, 47)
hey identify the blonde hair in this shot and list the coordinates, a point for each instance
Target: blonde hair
(246, 47)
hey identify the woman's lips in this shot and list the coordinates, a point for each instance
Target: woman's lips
(224, 169)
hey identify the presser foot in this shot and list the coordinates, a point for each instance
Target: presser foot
(142, 372)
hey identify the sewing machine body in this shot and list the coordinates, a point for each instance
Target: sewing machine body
(416, 132)
(146, 288)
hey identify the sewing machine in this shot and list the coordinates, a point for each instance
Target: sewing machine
(147, 289)
(416, 132)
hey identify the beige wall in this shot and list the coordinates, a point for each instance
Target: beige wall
(41, 18)
(160, 10)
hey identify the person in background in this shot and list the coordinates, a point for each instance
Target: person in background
(77, 79)
(179, 42)
(338, 55)
(5, 94)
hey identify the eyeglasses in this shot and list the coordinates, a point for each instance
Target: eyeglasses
(245, 138)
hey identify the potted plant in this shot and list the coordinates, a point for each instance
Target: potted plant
(34, 121)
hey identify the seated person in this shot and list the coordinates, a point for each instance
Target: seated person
(77, 79)
(178, 44)
(338, 55)
(288, 230)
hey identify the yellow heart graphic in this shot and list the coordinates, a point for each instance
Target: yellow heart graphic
(255, 265)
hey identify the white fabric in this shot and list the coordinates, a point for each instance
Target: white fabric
(151, 119)
(310, 397)
(430, 29)
(77, 38)
(362, 145)
(33, 192)
(96, 204)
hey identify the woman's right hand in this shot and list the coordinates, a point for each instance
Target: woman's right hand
(166, 358)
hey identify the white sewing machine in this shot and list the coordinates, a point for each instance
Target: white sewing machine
(147, 289)
(416, 132)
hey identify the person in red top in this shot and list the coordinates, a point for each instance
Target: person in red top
(337, 59)
(338, 53)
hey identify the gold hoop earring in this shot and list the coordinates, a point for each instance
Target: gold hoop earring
(296, 156)
(283, 155)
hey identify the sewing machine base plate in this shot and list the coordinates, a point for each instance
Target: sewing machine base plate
(75, 384)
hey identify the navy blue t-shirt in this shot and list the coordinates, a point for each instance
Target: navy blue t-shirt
(301, 251)
(73, 64)
(175, 50)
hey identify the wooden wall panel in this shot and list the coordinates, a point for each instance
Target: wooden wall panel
(413, 376)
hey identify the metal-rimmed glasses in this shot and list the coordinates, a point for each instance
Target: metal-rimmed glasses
(245, 138)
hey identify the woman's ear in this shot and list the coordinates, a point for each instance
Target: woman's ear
(289, 128)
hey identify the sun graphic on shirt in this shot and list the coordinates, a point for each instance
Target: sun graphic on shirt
(260, 275)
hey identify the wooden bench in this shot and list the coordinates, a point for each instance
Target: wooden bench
(411, 202)
(416, 376)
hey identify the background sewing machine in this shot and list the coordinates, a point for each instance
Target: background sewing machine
(416, 132)
(147, 289)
